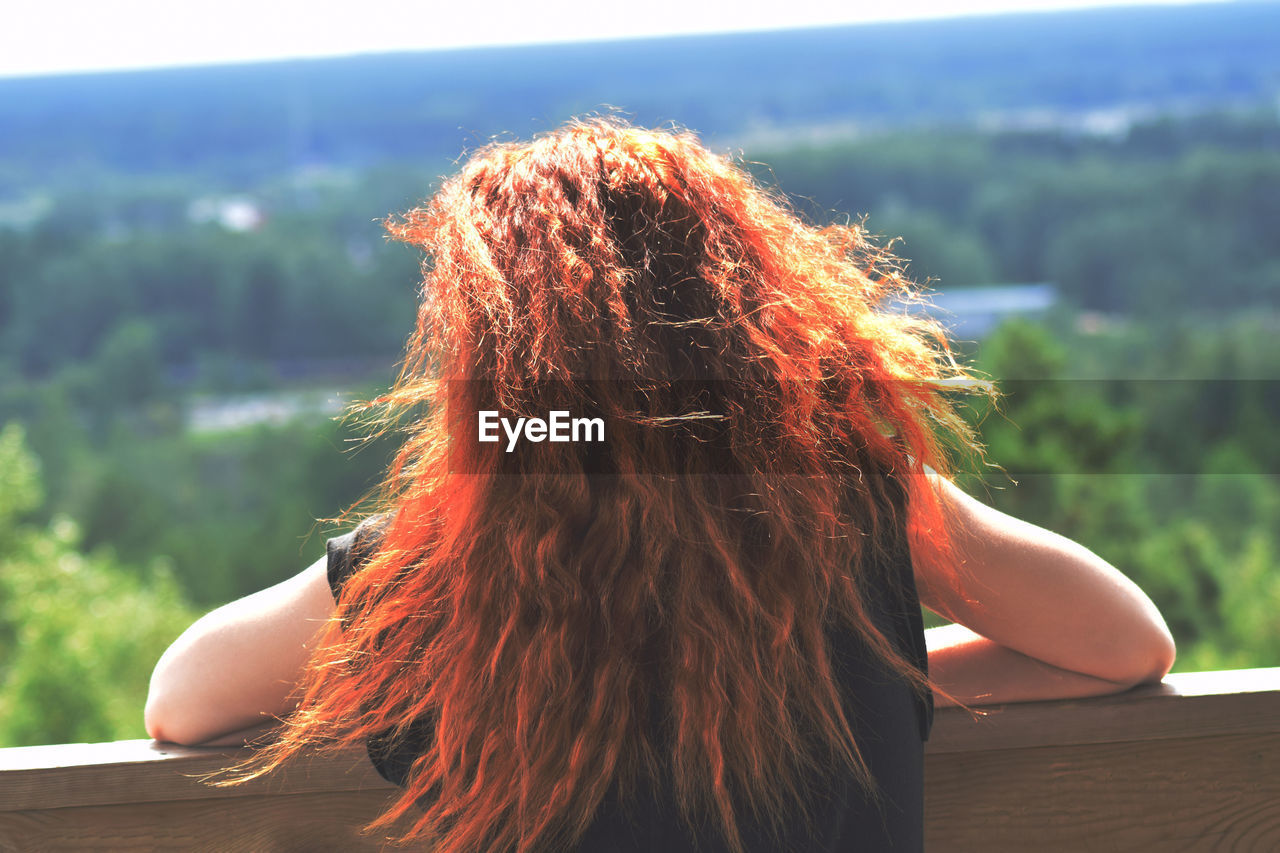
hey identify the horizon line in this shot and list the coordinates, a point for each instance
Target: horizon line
(323, 54)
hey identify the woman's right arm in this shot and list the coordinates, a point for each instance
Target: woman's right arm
(1039, 616)
(236, 668)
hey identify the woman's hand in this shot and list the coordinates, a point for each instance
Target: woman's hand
(1043, 617)
(236, 667)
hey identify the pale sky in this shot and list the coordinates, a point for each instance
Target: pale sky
(89, 35)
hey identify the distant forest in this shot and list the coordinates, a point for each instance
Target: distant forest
(241, 124)
(183, 240)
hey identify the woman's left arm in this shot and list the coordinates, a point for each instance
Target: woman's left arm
(236, 667)
(1039, 616)
(978, 671)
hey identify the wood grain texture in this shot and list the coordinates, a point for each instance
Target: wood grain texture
(1189, 765)
(1241, 702)
(142, 772)
(1219, 794)
(296, 823)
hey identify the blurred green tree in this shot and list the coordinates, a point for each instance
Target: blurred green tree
(79, 634)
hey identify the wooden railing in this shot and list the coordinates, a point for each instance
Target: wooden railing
(1192, 764)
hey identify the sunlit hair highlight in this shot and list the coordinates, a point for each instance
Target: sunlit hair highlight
(565, 632)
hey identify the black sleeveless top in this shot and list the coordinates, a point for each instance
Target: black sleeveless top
(890, 723)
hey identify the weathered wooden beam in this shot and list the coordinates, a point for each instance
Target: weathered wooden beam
(1191, 764)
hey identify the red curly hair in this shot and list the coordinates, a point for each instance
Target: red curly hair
(546, 623)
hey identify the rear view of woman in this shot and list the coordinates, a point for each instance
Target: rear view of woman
(699, 628)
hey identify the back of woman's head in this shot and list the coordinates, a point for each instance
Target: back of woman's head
(657, 608)
(635, 273)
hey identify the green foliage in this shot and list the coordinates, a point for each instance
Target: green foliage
(1136, 223)
(154, 299)
(79, 633)
(949, 257)
(20, 490)
(233, 512)
(1190, 512)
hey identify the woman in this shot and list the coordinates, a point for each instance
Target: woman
(702, 632)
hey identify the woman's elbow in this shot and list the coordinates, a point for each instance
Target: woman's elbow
(173, 713)
(156, 721)
(1149, 659)
(165, 723)
(1165, 654)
